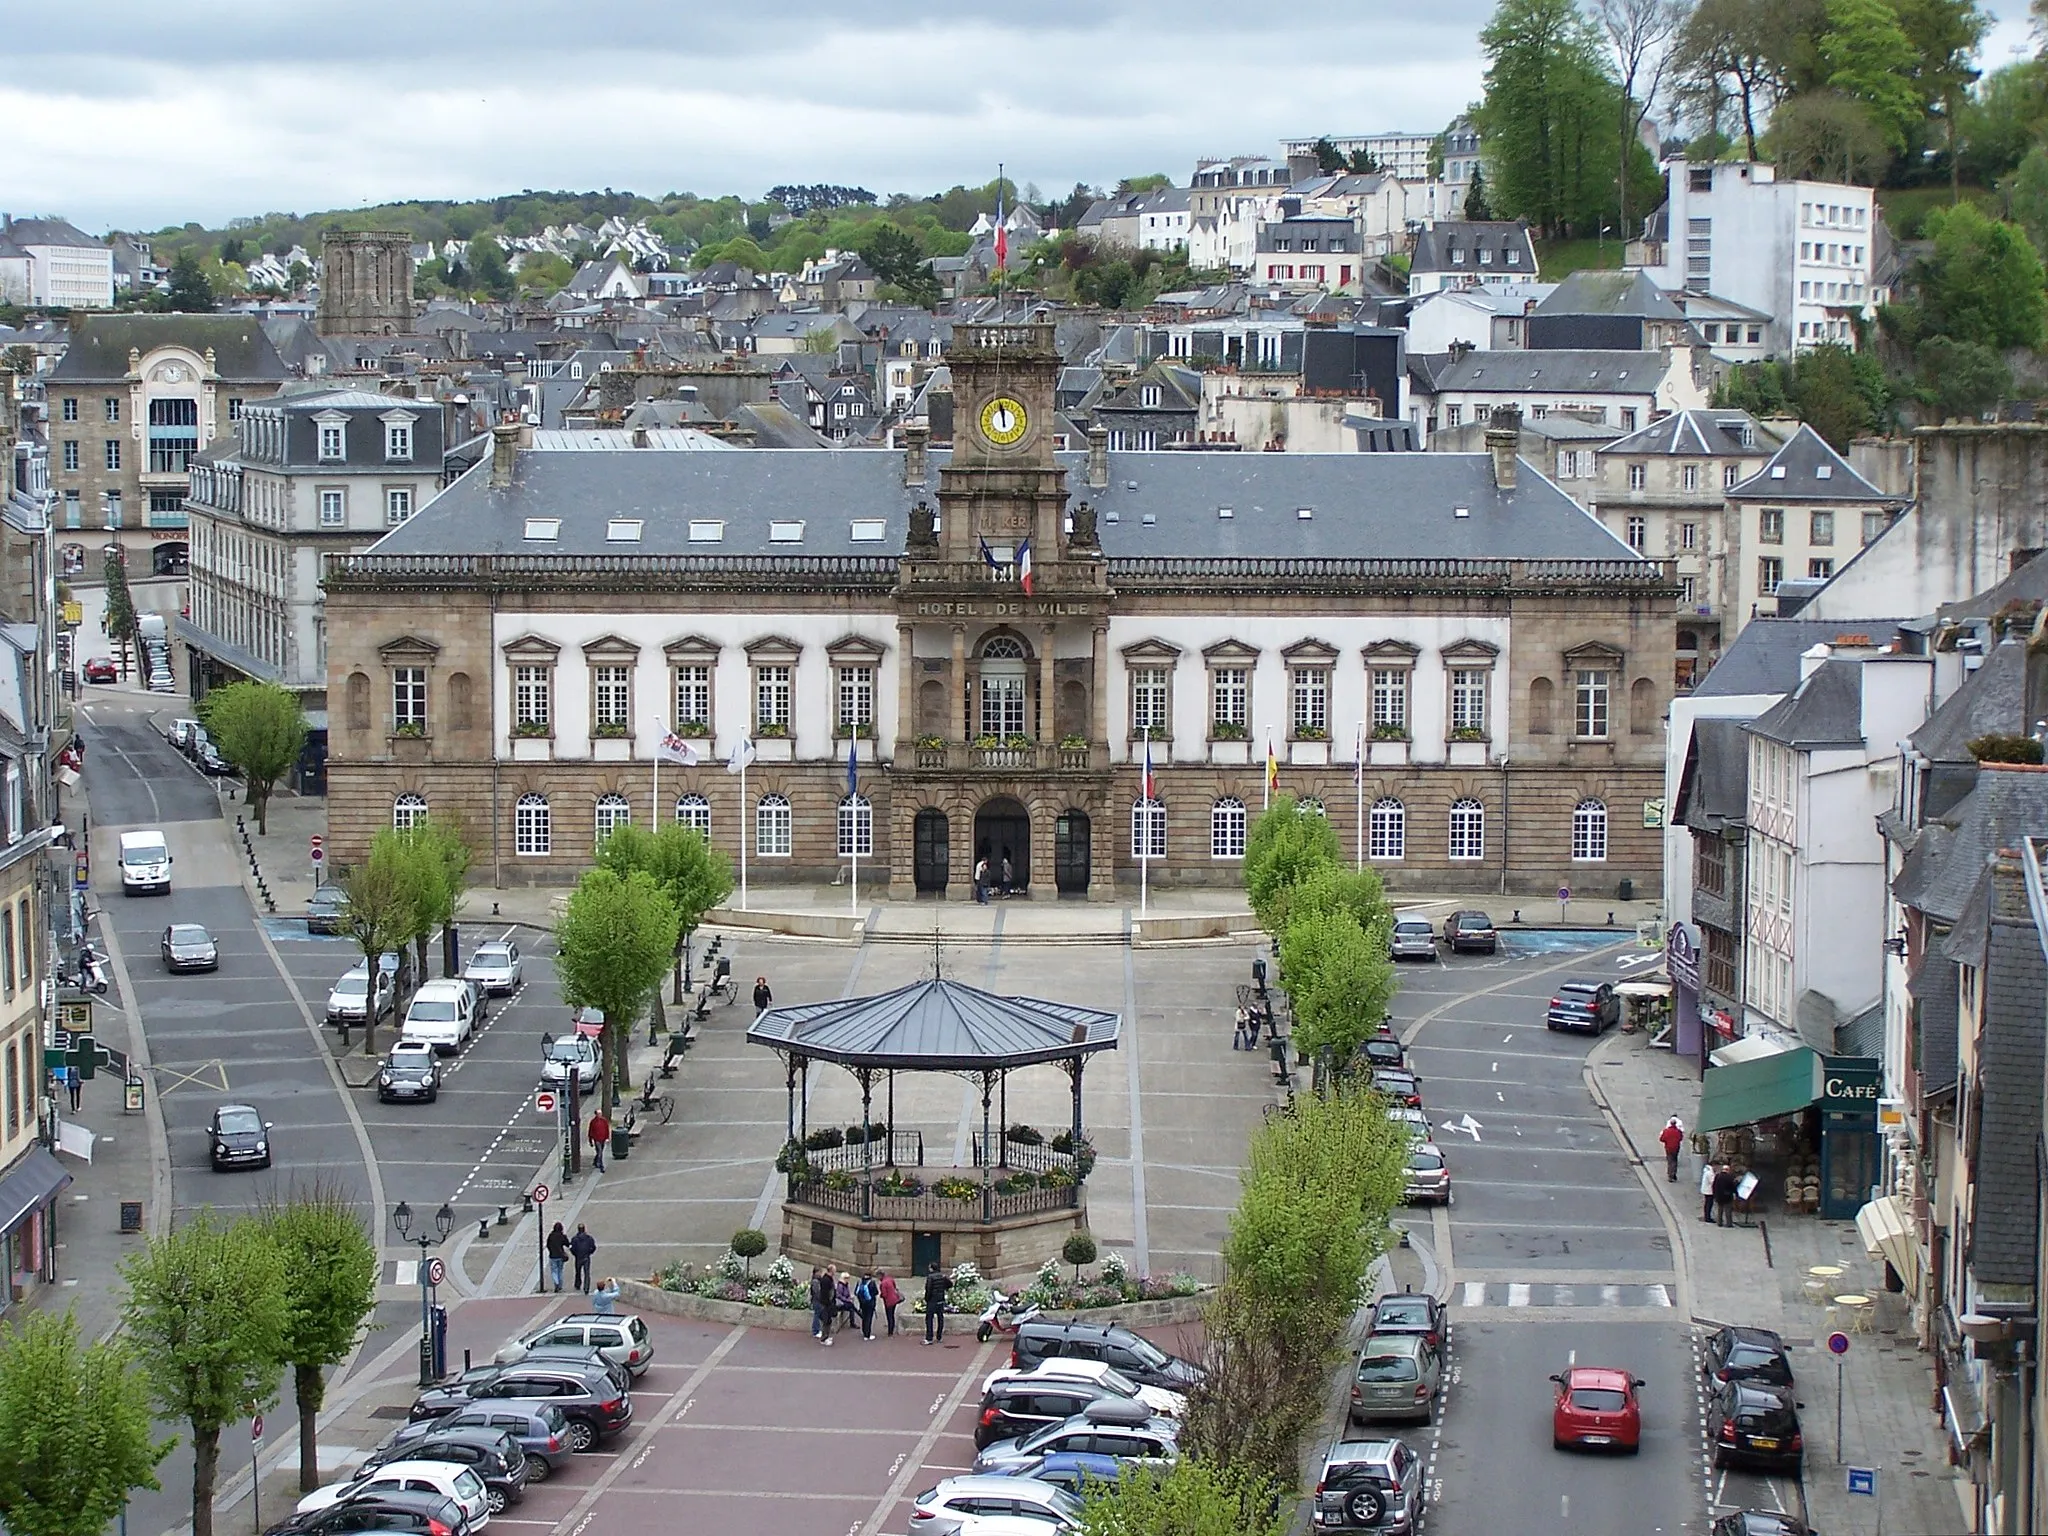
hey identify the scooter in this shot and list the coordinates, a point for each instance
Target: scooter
(1001, 1316)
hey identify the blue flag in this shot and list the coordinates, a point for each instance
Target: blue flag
(852, 768)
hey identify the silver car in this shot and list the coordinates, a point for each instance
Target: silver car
(949, 1508)
(349, 998)
(1414, 940)
(1429, 1175)
(1396, 1377)
(494, 966)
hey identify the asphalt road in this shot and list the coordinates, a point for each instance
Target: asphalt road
(1557, 1256)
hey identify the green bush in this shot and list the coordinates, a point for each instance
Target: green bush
(750, 1243)
(825, 1140)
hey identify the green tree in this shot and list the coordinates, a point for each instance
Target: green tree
(437, 858)
(694, 876)
(207, 1314)
(1155, 181)
(1639, 34)
(1284, 845)
(1831, 137)
(75, 1429)
(1866, 55)
(1190, 1498)
(1329, 159)
(260, 730)
(1999, 122)
(381, 915)
(487, 268)
(1982, 281)
(617, 938)
(1477, 207)
(898, 260)
(1960, 380)
(1078, 1250)
(1750, 53)
(330, 1270)
(2026, 195)
(232, 254)
(1840, 393)
(190, 292)
(1945, 36)
(119, 618)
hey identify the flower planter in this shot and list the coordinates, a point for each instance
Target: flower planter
(1309, 754)
(1387, 754)
(1468, 754)
(410, 749)
(863, 749)
(612, 749)
(1230, 754)
(774, 749)
(532, 749)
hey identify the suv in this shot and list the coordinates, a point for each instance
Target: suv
(1131, 1353)
(1109, 1426)
(1754, 1424)
(1369, 1485)
(1023, 1405)
(491, 1454)
(620, 1338)
(1746, 1354)
(1411, 1312)
(1587, 1005)
(589, 1398)
(1470, 930)
(539, 1429)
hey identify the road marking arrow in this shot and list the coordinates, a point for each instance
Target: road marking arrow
(1468, 1125)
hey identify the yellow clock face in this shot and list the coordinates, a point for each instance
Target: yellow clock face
(1003, 421)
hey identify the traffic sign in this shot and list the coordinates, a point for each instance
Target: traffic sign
(1838, 1343)
(436, 1271)
(540, 1194)
(256, 1427)
(1863, 1480)
(544, 1101)
(1564, 893)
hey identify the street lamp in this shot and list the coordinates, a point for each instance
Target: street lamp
(444, 1223)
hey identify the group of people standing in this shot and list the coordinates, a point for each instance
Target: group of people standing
(993, 877)
(838, 1301)
(1720, 1183)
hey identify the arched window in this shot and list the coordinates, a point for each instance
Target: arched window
(533, 826)
(856, 827)
(1309, 805)
(1589, 831)
(1468, 829)
(1002, 687)
(1540, 693)
(1226, 829)
(408, 811)
(1642, 707)
(1148, 830)
(694, 811)
(612, 813)
(772, 827)
(1387, 831)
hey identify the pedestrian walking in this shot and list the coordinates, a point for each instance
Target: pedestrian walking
(1724, 1195)
(936, 1283)
(1707, 1193)
(605, 1299)
(892, 1298)
(558, 1254)
(762, 996)
(865, 1295)
(1007, 872)
(823, 1305)
(1246, 1036)
(581, 1247)
(1672, 1138)
(981, 881)
(600, 1138)
(74, 1083)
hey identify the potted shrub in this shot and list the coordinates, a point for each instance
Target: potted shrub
(1467, 733)
(986, 742)
(840, 1181)
(931, 743)
(1073, 743)
(411, 729)
(1387, 730)
(749, 1243)
(697, 728)
(955, 1187)
(1227, 730)
(1025, 1136)
(530, 728)
(1077, 1250)
(825, 1140)
(775, 731)
(1017, 741)
(1311, 733)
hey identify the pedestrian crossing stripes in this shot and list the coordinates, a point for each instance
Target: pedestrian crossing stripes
(1522, 1293)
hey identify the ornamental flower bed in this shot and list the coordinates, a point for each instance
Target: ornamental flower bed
(780, 1285)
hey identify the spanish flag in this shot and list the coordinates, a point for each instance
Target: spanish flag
(1272, 770)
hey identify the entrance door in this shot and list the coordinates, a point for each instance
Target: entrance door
(928, 859)
(1002, 829)
(1070, 853)
(924, 1252)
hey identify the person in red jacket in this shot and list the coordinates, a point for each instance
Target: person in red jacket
(1672, 1137)
(600, 1138)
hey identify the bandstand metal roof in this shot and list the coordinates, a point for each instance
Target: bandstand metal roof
(937, 1026)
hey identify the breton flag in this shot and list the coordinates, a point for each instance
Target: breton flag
(988, 557)
(741, 755)
(674, 749)
(1150, 785)
(1272, 768)
(1024, 566)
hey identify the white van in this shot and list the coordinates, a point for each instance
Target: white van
(442, 1014)
(145, 863)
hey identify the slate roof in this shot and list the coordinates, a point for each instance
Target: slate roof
(2002, 1232)
(1716, 434)
(1574, 372)
(1433, 247)
(1824, 710)
(51, 232)
(1156, 505)
(1991, 701)
(1764, 657)
(937, 1025)
(2028, 584)
(2009, 802)
(1935, 989)
(1713, 792)
(1610, 293)
(1807, 469)
(100, 345)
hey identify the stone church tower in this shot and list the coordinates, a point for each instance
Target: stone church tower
(366, 283)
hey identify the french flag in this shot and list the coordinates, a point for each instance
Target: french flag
(1002, 233)
(1024, 566)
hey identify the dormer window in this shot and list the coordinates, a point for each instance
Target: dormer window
(544, 528)
(333, 441)
(398, 439)
(1149, 396)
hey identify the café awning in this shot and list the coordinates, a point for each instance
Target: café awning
(1761, 1089)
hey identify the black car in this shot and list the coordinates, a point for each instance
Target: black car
(1587, 1005)
(1749, 1423)
(589, 1398)
(188, 947)
(540, 1429)
(239, 1137)
(411, 1072)
(1013, 1409)
(1131, 1353)
(1411, 1312)
(1398, 1086)
(419, 1514)
(1746, 1354)
(210, 762)
(324, 912)
(492, 1454)
(1385, 1050)
(1761, 1522)
(1470, 930)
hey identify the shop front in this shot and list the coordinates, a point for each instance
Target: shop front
(1805, 1124)
(1850, 1152)
(28, 1221)
(1682, 962)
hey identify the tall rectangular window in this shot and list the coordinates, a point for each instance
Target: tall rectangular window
(398, 440)
(771, 697)
(409, 697)
(611, 697)
(71, 453)
(531, 697)
(1468, 699)
(1148, 702)
(1593, 684)
(1311, 690)
(1770, 525)
(113, 407)
(397, 505)
(1389, 700)
(1820, 570)
(1689, 477)
(1638, 477)
(1638, 533)
(333, 441)
(693, 695)
(113, 453)
(69, 410)
(333, 509)
(1230, 699)
(1770, 571)
(856, 704)
(1823, 528)
(1688, 535)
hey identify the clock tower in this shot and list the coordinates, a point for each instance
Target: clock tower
(1002, 485)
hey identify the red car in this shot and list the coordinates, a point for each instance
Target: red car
(101, 669)
(1597, 1406)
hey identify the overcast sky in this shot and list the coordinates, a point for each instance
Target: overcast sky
(122, 114)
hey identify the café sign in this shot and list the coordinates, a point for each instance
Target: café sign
(1850, 1084)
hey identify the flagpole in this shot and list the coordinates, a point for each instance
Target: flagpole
(1145, 834)
(743, 829)
(654, 810)
(1358, 780)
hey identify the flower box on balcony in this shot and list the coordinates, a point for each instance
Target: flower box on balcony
(532, 749)
(774, 749)
(1309, 754)
(1383, 752)
(1232, 752)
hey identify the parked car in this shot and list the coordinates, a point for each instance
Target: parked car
(211, 763)
(1587, 1005)
(325, 909)
(1066, 1368)
(943, 1509)
(1072, 1470)
(1411, 1312)
(589, 1398)
(1470, 930)
(1596, 1406)
(494, 966)
(102, 669)
(1025, 1404)
(386, 1512)
(1396, 1377)
(240, 1137)
(492, 1454)
(411, 1072)
(1413, 940)
(541, 1430)
(1386, 1050)
(1109, 1426)
(188, 947)
(1429, 1175)
(443, 1014)
(1761, 1522)
(1370, 1485)
(193, 739)
(565, 1055)
(180, 733)
(444, 1478)
(1136, 1356)
(1397, 1087)
(619, 1337)
(1416, 1120)
(1750, 1423)
(349, 998)
(1746, 1354)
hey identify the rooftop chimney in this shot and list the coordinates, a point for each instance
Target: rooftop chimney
(916, 439)
(1098, 457)
(504, 453)
(1503, 440)
(1812, 658)
(640, 437)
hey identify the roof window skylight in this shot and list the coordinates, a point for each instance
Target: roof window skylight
(543, 528)
(623, 530)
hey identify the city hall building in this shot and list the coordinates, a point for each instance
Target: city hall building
(996, 635)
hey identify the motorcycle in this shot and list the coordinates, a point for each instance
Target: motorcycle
(92, 971)
(1001, 1315)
